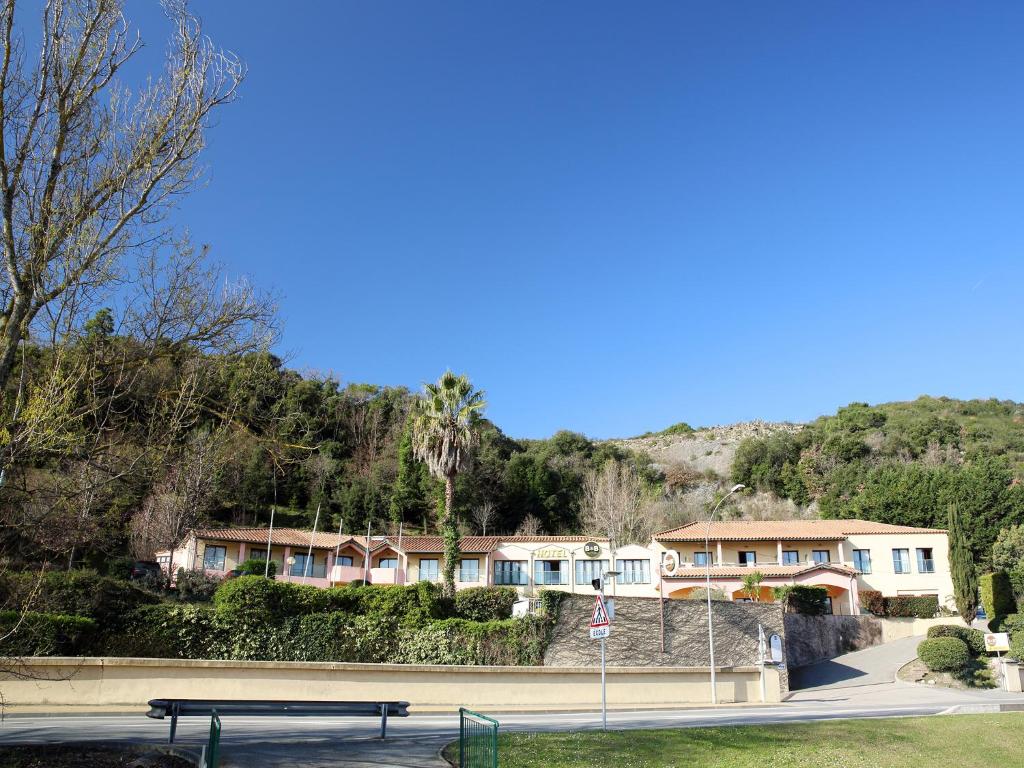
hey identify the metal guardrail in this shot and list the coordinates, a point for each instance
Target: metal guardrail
(478, 740)
(175, 708)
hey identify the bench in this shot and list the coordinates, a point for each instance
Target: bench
(161, 708)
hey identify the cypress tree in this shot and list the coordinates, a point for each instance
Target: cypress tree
(961, 566)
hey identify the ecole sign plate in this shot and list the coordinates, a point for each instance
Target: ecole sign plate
(599, 633)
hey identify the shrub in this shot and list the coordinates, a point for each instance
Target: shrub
(701, 593)
(800, 598)
(73, 593)
(551, 602)
(922, 607)
(871, 600)
(255, 566)
(196, 586)
(511, 642)
(45, 634)
(1017, 584)
(944, 654)
(973, 638)
(1014, 623)
(170, 631)
(251, 600)
(1017, 646)
(485, 603)
(997, 595)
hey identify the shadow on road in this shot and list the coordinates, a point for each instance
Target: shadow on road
(823, 673)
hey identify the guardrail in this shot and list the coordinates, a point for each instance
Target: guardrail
(161, 708)
(478, 740)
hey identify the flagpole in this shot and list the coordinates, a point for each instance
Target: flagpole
(306, 568)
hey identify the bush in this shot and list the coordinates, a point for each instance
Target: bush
(169, 631)
(909, 606)
(944, 654)
(997, 595)
(45, 634)
(512, 642)
(73, 593)
(196, 586)
(1017, 584)
(800, 598)
(251, 600)
(551, 602)
(974, 639)
(1017, 646)
(255, 566)
(871, 600)
(485, 603)
(701, 593)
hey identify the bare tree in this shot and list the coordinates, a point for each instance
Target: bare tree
(530, 526)
(483, 515)
(88, 167)
(614, 505)
(180, 501)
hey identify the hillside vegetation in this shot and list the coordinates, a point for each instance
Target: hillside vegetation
(900, 463)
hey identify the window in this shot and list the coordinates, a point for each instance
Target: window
(213, 558)
(901, 561)
(633, 571)
(790, 557)
(550, 572)
(588, 570)
(701, 558)
(303, 565)
(862, 560)
(428, 570)
(821, 556)
(748, 558)
(828, 606)
(345, 560)
(387, 562)
(925, 564)
(257, 554)
(164, 559)
(469, 570)
(510, 572)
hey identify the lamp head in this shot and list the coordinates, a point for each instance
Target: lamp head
(737, 487)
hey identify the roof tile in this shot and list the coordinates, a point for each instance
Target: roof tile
(753, 530)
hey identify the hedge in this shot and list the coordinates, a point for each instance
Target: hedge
(973, 638)
(1017, 583)
(997, 595)
(73, 593)
(45, 634)
(923, 607)
(944, 654)
(800, 598)
(871, 600)
(1017, 646)
(196, 586)
(485, 603)
(512, 642)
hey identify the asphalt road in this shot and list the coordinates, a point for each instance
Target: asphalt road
(413, 742)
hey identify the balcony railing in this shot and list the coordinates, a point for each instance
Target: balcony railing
(552, 578)
(314, 571)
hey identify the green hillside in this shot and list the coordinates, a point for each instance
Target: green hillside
(902, 463)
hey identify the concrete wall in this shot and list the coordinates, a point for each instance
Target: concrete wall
(132, 682)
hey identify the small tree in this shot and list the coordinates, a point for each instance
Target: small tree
(1008, 549)
(483, 515)
(752, 585)
(961, 566)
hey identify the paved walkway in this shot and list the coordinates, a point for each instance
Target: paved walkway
(870, 666)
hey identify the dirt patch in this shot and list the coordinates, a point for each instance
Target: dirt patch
(978, 675)
(86, 757)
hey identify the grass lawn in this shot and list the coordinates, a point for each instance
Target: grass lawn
(977, 741)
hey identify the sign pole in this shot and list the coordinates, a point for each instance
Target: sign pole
(604, 698)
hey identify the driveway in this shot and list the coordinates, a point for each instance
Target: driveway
(870, 666)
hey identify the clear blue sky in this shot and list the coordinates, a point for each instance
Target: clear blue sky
(615, 216)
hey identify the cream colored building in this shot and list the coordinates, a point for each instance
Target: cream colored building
(843, 556)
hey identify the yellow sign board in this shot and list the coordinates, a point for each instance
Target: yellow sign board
(997, 641)
(551, 553)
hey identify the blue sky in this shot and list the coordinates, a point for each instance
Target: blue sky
(618, 216)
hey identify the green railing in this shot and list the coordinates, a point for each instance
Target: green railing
(213, 745)
(478, 740)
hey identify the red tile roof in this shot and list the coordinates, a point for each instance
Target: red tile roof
(768, 571)
(550, 539)
(436, 543)
(793, 530)
(281, 537)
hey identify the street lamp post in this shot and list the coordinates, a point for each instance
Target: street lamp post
(707, 575)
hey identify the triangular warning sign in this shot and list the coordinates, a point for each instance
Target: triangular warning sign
(600, 617)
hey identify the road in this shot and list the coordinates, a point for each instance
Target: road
(860, 684)
(413, 742)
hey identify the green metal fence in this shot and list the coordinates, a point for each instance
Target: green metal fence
(478, 740)
(213, 745)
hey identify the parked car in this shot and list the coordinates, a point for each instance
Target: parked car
(142, 569)
(980, 613)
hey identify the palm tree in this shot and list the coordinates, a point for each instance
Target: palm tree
(444, 433)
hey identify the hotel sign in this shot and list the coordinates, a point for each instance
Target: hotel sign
(551, 553)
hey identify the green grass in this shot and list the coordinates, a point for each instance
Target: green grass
(978, 741)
